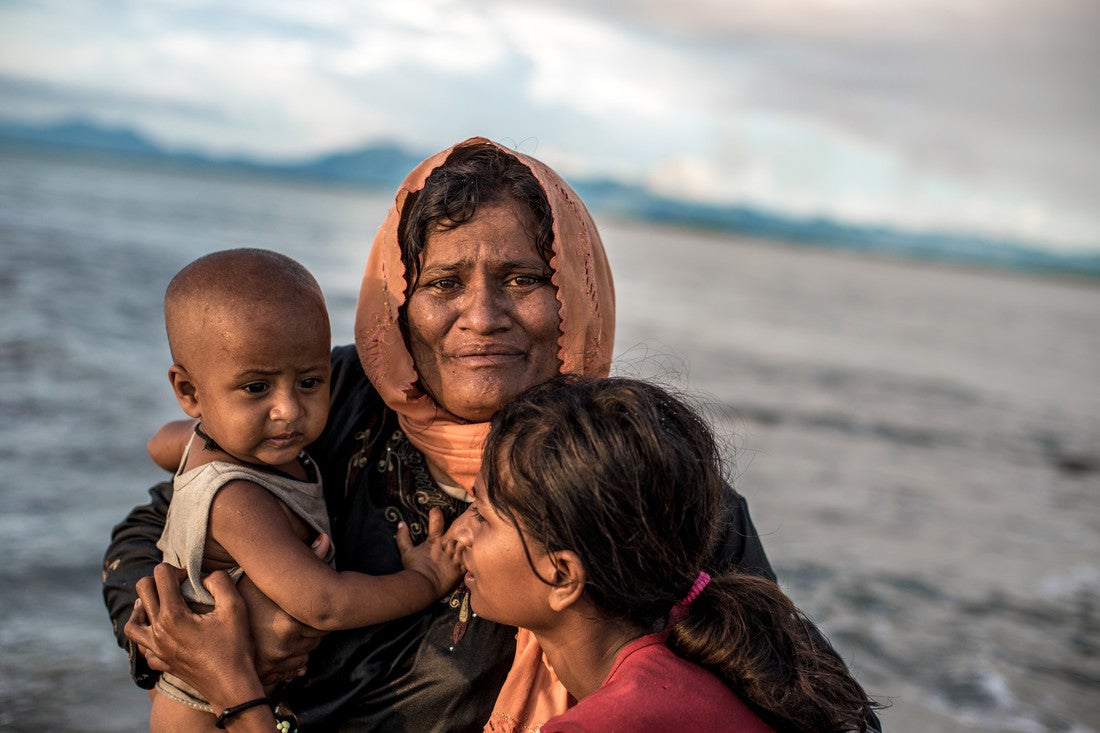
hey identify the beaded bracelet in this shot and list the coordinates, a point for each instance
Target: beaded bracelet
(285, 719)
(228, 713)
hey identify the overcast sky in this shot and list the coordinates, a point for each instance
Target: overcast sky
(980, 115)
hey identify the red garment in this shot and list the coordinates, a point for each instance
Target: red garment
(651, 689)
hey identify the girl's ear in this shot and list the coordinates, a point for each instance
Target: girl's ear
(569, 579)
(184, 389)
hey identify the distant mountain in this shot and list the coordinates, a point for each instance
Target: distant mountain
(384, 166)
(378, 165)
(631, 202)
(80, 135)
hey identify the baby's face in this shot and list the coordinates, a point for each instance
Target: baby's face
(263, 384)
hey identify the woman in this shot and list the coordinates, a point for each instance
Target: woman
(597, 510)
(483, 254)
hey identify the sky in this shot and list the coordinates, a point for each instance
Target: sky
(978, 116)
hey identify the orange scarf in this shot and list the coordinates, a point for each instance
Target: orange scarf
(531, 694)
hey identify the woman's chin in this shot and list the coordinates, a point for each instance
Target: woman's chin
(478, 400)
(470, 412)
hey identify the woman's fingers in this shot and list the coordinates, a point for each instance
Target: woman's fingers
(168, 597)
(321, 546)
(138, 630)
(138, 615)
(147, 595)
(146, 624)
(227, 601)
(282, 643)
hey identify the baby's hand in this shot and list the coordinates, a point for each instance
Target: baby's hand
(436, 558)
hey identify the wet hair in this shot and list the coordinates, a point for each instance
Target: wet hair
(630, 478)
(245, 280)
(472, 176)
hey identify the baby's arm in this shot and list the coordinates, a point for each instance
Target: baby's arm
(168, 443)
(253, 527)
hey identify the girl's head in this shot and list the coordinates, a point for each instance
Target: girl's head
(617, 471)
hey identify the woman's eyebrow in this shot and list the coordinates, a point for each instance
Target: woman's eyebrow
(454, 266)
(533, 263)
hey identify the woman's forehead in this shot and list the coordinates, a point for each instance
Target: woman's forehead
(500, 234)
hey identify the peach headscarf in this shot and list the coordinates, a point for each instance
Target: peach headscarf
(587, 309)
(531, 694)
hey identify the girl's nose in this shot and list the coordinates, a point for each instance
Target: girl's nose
(461, 529)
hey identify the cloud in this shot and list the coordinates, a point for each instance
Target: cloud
(924, 112)
(987, 89)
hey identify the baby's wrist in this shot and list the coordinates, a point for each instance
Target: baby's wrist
(428, 581)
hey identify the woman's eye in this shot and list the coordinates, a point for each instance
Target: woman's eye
(526, 281)
(255, 388)
(445, 284)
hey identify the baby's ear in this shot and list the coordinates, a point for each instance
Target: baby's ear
(569, 579)
(184, 388)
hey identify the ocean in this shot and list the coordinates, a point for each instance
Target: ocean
(920, 444)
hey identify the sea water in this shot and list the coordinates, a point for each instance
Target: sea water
(920, 445)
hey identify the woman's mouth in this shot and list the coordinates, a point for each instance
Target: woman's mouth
(487, 356)
(487, 361)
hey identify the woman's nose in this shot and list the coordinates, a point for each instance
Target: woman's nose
(486, 308)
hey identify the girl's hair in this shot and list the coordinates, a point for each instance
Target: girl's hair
(630, 478)
(472, 176)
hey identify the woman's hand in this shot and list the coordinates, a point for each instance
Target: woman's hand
(436, 558)
(212, 651)
(283, 643)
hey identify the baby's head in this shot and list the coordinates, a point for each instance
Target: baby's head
(250, 341)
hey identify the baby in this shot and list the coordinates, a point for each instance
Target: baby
(249, 336)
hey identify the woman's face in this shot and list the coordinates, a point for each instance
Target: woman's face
(483, 319)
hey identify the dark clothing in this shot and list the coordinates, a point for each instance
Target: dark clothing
(425, 672)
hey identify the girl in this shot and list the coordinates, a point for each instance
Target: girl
(592, 526)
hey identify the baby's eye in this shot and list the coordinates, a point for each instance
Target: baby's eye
(255, 388)
(310, 383)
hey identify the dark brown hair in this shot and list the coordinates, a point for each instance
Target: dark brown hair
(472, 176)
(630, 478)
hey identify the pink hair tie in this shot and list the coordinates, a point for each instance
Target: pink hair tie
(680, 609)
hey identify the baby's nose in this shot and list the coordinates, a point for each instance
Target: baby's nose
(286, 408)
